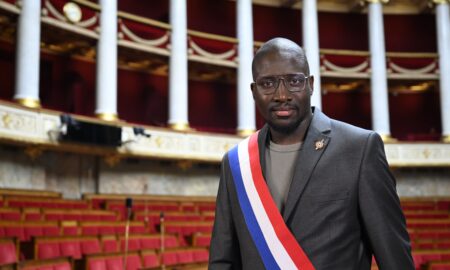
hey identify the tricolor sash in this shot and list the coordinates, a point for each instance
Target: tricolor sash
(276, 245)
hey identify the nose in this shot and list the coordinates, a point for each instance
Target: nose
(281, 92)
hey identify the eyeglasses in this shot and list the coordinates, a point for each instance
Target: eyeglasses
(293, 83)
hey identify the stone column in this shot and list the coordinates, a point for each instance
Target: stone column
(28, 50)
(246, 106)
(106, 96)
(311, 46)
(443, 40)
(178, 69)
(378, 78)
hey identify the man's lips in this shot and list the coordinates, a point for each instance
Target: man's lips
(283, 111)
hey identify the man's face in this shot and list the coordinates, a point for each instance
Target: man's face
(282, 110)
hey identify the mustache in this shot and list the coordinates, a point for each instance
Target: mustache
(283, 106)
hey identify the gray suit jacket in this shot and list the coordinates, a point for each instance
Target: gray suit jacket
(342, 205)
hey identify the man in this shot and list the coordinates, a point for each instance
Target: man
(306, 191)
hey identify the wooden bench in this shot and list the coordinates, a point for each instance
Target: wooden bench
(32, 193)
(52, 264)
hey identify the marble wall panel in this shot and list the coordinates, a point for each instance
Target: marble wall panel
(74, 174)
(412, 182)
(70, 174)
(162, 178)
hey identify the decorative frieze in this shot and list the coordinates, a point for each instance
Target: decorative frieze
(40, 127)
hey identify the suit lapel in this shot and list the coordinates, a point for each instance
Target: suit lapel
(307, 159)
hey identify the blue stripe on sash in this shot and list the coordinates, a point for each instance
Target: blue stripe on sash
(249, 216)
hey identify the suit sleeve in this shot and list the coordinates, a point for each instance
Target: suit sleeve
(382, 217)
(224, 248)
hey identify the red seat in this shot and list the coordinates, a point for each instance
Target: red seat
(114, 263)
(8, 251)
(201, 240)
(69, 228)
(170, 241)
(133, 262)
(90, 246)
(70, 249)
(96, 264)
(14, 230)
(185, 256)
(108, 229)
(137, 228)
(40, 229)
(89, 230)
(201, 255)
(11, 214)
(150, 259)
(169, 258)
(48, 250)
(31, 214)
(134, 244)
(151, 242)
(32, 231)
(110, 244)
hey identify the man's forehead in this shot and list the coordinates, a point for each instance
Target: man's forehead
(280, 61)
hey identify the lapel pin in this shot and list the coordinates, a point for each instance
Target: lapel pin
(319, 144)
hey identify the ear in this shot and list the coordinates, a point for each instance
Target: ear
(311, 84)
(253, 88)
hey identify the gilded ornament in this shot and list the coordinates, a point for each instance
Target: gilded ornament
(6, 120)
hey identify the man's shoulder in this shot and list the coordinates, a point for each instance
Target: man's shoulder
(349, 130)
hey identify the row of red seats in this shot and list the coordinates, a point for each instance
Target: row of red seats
(118, 261)
(438, 265)
(76, 248)
(440, 223)
(154, 217)
(422, 257)
(146, 259)
(119, 207)
(24, 231)
(430, 214)
(37, 214)
(425, 205)
(52, 203)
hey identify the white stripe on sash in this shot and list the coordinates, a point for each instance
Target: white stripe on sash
(276, 247)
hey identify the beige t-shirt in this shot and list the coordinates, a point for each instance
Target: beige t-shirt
(280, 164)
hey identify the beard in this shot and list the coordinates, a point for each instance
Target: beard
(284, 128)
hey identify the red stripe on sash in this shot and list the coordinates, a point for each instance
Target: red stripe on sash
(283, 233)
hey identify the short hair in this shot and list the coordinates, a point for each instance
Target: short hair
(278, 45)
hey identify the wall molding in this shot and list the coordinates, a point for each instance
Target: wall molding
(39, 127)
